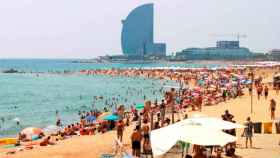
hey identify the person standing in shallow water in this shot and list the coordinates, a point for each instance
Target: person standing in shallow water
(248, 131)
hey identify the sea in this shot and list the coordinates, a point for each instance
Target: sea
(39, 96)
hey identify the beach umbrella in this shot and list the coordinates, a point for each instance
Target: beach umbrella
(200, 135)
(90, 118)
(197, 88)
(103, 115)
(16, 119)
(212, 123)
(140, 106)
(31, 132)
(111, 118)
(52, 129)
(162, 140)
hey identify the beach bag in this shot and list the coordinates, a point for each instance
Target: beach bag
(267, 127)
(277, 125)
(258, 127)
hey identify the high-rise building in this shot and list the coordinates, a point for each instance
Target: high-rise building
(137, 36)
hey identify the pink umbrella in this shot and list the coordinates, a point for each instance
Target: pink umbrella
(197, 88)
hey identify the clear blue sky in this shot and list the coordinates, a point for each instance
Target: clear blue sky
(90, 28)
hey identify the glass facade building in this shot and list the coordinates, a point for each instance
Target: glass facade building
(137, 37)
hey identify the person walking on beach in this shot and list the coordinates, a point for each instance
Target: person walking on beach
(248, 132)
(272, 109)
(136, 138)
(162, 108)
(199, 102)
(146, 131)
(259, 91)
(277, 89)
(120, 129)
(265, 92)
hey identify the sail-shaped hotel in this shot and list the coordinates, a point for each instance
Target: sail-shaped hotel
(137, 37)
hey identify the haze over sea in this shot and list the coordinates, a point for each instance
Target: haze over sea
(34, 99)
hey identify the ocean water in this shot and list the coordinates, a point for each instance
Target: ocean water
(35, 99)
(52, 65)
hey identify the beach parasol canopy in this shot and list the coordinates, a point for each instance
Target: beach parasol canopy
(90, 118)
(140, 106)
(52, 129)
(111, 118)
(16, 119)
(103, 115)
(199, 135)
(30, 132)
(212, 123)
(200, 131)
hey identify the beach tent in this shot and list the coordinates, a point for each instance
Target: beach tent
(111, 118)
(52, 129)
(199, 131)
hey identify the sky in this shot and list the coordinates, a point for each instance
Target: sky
(91, 28)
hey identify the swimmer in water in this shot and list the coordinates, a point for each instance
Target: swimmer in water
(2, 119)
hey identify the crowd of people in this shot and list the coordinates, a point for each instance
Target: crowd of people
(198, 88)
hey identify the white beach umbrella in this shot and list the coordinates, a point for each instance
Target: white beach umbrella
(52, 129)
(199, 135)
(16, 119)
(212, 123)
(199, 131)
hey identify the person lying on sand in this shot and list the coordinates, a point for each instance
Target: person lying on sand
(46, 142)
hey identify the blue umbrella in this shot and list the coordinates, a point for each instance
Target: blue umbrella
(90, 118)
(111, 118)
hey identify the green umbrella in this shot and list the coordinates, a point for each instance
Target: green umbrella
(139, 106)
(111, 118)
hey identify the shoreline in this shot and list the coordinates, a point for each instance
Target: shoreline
(113, 73)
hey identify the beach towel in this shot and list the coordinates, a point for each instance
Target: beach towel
(267, 126)
(277, 125)
(258, 127)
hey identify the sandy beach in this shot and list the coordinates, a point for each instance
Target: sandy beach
(265, 145)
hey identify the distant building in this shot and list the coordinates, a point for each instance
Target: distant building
(274, 54)
(229, 50)
(275, 51)
(137, 37)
